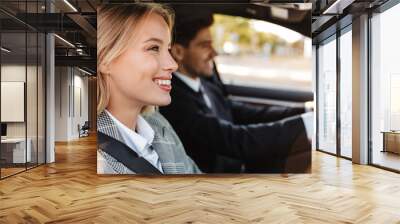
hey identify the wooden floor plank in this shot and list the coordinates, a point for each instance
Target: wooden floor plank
(70, 191)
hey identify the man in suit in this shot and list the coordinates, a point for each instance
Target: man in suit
(220, 134)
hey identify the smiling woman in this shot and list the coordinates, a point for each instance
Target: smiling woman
(134, 75)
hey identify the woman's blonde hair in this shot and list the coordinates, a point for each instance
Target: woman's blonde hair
(114, 34)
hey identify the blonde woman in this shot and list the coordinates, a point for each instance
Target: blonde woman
(134, 75)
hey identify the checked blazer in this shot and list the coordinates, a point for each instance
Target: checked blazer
(166, 143)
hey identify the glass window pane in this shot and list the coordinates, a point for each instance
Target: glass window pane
(14, 153)
(386, 89)
(346, 94)
(327, 97)
(258, 53)
(31, 97)
(32, 88)
(41, 98)
(22, 89)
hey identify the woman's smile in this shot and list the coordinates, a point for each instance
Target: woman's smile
(164, 84)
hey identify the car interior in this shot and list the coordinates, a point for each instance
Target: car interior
(297, 18)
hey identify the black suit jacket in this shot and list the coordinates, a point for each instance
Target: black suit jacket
(235, 132)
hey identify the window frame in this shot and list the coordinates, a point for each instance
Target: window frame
(43, 118)
(339, 29)
(381, 9)
(347, 27)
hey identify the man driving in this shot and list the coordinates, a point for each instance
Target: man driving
(219, 134)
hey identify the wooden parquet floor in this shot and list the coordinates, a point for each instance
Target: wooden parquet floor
(10, 171)
(70, 191)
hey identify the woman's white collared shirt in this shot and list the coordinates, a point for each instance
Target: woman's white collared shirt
(141, 141)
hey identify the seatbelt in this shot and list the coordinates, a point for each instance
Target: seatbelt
(125, 155)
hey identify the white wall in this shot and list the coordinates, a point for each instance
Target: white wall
(81, 100)
(71, 93)
(61, 103)
(15, 73)
(33, 126)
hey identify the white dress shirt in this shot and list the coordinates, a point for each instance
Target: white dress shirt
(195, 85)
(141, 141)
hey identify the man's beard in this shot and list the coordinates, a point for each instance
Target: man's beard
(194, 73)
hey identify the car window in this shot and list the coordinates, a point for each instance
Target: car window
(258, 53)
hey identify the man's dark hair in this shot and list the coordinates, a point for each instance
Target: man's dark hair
(187, 26)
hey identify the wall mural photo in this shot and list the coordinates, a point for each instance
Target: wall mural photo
(219, 89)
